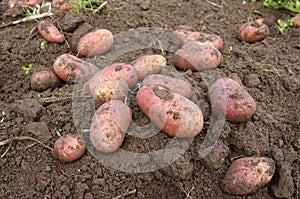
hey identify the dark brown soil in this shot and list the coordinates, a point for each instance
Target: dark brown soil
(30, 171)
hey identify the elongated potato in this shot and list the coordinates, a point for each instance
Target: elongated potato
(49, 32)
(246, 175)
(175, 85)
(253, 31)
(229, 98)
(109, 126)
(174, 114)
(68, 67)
(149, 64)
(95, 43)
(115, 89)
(197, 56)
(43, 80)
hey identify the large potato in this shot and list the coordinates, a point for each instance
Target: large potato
(229, 98)
(68, 67)
(174, 114)
(50, 32)
(109, 126)
(253, 31)
(175, 85)
(197, 56)
(149, 64)
(95, 43)
(43, 80)
(246, 175)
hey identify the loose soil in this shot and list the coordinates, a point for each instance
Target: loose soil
(30, 171)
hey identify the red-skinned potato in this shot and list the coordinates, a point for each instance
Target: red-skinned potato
(115, 89)
(174, 114)
(296, 20)
(109, 126)
(61, 4)
(43, 80)
(230, 99)
(95, 43)
(248, 174)
(253, 31)
(179, 36)
(12, 3)
(68, 148)
(68, 67)
(175, 85)
(197, 56)
(50, 32)
(149, 64)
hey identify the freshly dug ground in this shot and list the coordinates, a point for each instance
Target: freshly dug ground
(29, 170)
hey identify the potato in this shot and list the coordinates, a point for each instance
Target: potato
(109, 126)
(61, 4)
(175, 85)
(12, 3)
(230, 98)
(179, 36)
(68, 148)
(49, 32)
(149, 64)
(115, 89)
(253, 31)
(248, 174)
(95, 43)
(172, 113)
(68, 67)
(43, 80)
(296, 20)
(197, 56)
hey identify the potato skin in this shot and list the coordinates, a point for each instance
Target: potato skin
(296, 20)
(197, 56)
(68, 148)
(237, 103)
(176, 115)
(248, 174)
(43, 80)
(175, 85)
(61, 4)
(95, 43)
(253, 31)
(109, 126)
(23, 2)
(49, 32)
(149, 64)
(68, 67)
(115, 89)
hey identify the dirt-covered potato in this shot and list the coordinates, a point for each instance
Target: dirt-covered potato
(229, 98)
(172, 113)
(115, 89)
(43, 80)
(149, 64)
(248, 174)
(12, 3)
(68, 148)
(109, 126)
(253, 31)
(197, 56)
(175, 85)
(50, 32)
(61, 4)
(296, 20)
(68, 67)
(95, 43)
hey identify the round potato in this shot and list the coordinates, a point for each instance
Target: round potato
(95, 43)
(253, 31)
(49, 32)
(109, 126)
(43, 80)
(172, 113)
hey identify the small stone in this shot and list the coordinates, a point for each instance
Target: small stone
(39, 130)
(252, 80)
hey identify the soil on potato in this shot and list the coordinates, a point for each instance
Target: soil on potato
(29, 170)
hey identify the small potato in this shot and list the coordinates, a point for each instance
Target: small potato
(253, 31)
(149, 64)
(172, 113)
(296, 20)
(175, 85)
(197, 56)
(68, 67)
(43, 80)
(12, 3)
(109, 126)
(68, 148)
(115, 89)
(246, 175)
(95, 43)
(229, 98)
(61, 4)
(49, 32)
